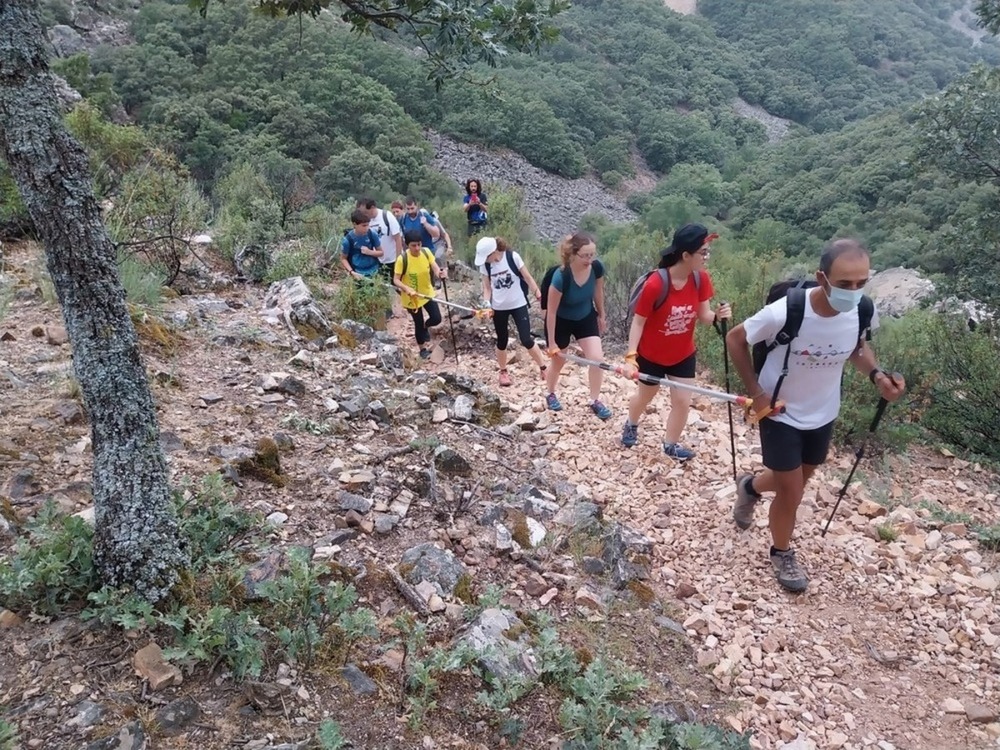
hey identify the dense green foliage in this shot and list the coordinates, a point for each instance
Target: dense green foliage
(823, 64)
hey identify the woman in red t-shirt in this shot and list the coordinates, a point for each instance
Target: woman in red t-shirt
(661, 339)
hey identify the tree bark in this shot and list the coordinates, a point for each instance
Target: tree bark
(136, 543)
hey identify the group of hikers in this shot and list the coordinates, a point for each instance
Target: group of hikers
(408, 242)
(796, 346)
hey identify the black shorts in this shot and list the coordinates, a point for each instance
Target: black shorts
(584, 328)
(786, 448)
(683, 369)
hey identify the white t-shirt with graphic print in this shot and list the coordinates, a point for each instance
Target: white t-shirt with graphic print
(811, 391)
(386, 227)
(506, 289)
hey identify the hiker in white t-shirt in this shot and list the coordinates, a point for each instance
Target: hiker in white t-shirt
(795, 441)
(386, 226)
(504, 288)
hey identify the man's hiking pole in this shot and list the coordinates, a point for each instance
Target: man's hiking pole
(858, 455)
(721, 326)
(454, 343)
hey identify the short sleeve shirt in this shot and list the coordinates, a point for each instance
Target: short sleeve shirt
(577, 299)
(418, 277)
(668, 336)
(505, 286)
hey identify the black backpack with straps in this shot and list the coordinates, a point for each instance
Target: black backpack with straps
(517, 272)
(795, 292)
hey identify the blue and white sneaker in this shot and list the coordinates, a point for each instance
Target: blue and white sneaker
(630, 434)
(678, 452)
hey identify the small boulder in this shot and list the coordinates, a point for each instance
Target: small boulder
(451, 462)
(427, 562)
(151, 666)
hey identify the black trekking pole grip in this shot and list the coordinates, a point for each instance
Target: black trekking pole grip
(720, 325)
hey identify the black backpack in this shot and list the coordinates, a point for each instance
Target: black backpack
(795, 291)
(633, 295)
(517, 272)
(546, 283)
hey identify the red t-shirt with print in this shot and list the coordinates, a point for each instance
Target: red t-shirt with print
(668, 337)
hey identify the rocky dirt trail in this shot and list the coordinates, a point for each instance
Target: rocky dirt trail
(895, 644)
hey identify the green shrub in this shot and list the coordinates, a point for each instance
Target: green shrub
(8, 736)
(292, 260)
(143, 282)
(52, 567)
(365, 301)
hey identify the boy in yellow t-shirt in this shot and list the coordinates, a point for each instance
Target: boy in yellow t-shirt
(412, 276)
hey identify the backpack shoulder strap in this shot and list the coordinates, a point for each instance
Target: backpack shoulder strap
(795, 303)
(866, 312)
(513, 266)
(664, 275)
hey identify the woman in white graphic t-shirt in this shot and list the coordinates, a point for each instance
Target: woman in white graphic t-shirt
(505, 278)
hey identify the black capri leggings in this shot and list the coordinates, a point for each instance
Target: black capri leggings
(420, 325)
(521, 320)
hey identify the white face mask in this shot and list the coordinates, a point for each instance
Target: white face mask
(843, 300)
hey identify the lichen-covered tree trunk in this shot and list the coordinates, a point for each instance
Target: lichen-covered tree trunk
(136, 543)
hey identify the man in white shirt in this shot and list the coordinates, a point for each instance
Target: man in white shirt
(795, 441)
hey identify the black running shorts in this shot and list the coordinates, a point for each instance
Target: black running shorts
(786, 448)
(683, 369)
(584, 328)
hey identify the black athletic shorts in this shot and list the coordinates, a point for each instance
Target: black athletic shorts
(576, 329)
(786, 448)
(683, 369)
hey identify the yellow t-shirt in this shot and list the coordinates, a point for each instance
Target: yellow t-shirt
(418, 277)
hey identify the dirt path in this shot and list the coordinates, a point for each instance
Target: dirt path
(887, 632)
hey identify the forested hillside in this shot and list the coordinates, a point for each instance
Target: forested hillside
(314, 115)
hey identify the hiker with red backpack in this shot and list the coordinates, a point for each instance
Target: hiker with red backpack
(506, 286)
(666, 304)
(801, 341)
(575, 310)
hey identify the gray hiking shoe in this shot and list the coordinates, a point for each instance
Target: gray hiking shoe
(788, 571)
(745, 502)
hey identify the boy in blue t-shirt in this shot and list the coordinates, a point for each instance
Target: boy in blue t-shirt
(361, 248)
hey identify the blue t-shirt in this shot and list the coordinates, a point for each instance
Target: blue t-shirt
(412, 224)
(476, 214)
(350, 246)
(577, 301)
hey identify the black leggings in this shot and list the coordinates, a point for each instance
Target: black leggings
(521, 320)
(420, 326)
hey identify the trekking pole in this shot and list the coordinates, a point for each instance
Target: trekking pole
(481, 312)
(721, 326)
(858, 455)
(619, 370)
(451, 323)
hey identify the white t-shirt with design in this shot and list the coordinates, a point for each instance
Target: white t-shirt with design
(811, 390)
(387, 228)
(506, 292)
